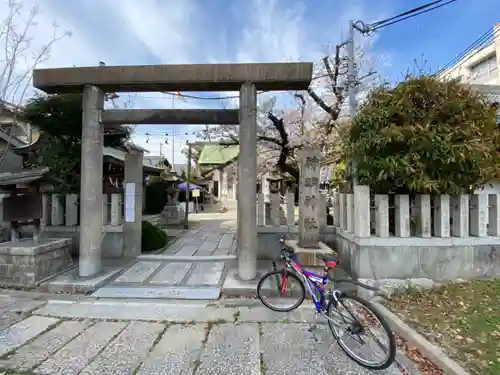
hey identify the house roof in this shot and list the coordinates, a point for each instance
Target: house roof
(218, 154)
(119, 156)
(24, 176)
(14, 141)
(153, 160)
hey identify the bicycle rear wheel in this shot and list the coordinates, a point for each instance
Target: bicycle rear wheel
(357, 318)
(281, 286)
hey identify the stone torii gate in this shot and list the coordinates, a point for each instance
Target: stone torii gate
(94, 82)
(115, 118)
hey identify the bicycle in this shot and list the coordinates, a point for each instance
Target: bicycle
(326, 303)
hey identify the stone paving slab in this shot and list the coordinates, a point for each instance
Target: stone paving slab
(231, 349)
(37, 351)
(14, 310)
(206, 273)
(127, 351)
(296, 348)
(224, 347)
(187, 250)
(177, 352)
(171, 273)
(14, 336)
(73, 358)
(138, 272)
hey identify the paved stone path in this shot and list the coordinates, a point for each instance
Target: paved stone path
(213, 234)
(208, 240)
(101, 337)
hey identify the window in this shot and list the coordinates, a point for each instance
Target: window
(485, 70)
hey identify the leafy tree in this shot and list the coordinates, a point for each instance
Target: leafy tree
(59, 118)
(425, 136)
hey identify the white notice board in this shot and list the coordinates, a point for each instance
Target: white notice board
(129, 202)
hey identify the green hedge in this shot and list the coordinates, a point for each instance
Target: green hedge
(153, 237)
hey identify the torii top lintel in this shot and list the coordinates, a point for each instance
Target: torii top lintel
(193, 77)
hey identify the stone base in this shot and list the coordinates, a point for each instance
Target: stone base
(69, 282)
(436, 259)
(25, 264)
(172, 215)
(307, 257)
(234, 286)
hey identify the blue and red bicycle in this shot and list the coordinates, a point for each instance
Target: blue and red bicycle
(349, 317)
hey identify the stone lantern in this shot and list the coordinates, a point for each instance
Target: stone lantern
(275, 181)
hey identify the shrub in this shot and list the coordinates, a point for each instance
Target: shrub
(153, 237)
(425, 136)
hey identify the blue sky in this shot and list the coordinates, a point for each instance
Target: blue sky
(137, 32)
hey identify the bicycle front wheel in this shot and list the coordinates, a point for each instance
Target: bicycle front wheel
(281, 290)
(362, 332)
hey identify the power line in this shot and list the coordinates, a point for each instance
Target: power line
(221, 97)
(483, 40)
(404, 16)
(422, 7)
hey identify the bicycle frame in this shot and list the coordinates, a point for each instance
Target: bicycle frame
(310, 280)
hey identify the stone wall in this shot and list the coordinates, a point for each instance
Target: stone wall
(112, 240)
(415, 258)
(24, 264)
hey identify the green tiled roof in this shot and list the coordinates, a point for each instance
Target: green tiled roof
(218, 154)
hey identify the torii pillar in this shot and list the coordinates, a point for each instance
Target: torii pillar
(247, 184)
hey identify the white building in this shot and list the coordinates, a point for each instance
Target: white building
(480, 67)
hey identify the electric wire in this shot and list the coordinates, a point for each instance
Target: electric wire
(484, 40)
(372, 27)
(422, 7)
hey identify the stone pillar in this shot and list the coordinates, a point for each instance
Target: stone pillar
(219, 185)
(309, 198)
(442, 216)
(362, 225)
(132, 227)
(247, 221)
(402, 219)
(265, 188)
(224, 187)
(460, 216)
(90, 261)
(423, 215)
(71, 210)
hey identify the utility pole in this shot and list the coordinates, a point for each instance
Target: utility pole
(188, 190)
(351, 88)
(173, 135)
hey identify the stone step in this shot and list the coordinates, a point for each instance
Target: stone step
(159, 292)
